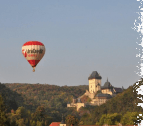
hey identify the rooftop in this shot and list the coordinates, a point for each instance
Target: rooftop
(107, 85)
(118, 90)
(104, 95)
(55, 124)
(94, 75)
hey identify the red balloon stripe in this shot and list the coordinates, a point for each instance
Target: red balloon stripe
(33, 43)
(33, 62)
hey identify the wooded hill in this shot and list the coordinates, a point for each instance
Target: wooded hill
(122, 103)
(54, 99)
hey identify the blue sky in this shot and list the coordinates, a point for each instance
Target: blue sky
(80, 36)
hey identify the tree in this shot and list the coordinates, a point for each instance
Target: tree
(102, 120)
(110, 119)
(130, 118)
(21, 112)
(40, 123)
(71, 120)
(20, 117)
(39, 118)
(39, 115)
(20, 122)
(33, 123)
(12, 119)
(85, 118)
(3, 117)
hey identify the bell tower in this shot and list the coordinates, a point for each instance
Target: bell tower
(62, 122)
(94, 82)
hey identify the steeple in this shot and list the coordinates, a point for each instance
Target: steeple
(107, 79)
(62, 122)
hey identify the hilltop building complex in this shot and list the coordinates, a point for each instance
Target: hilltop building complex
(97, 93)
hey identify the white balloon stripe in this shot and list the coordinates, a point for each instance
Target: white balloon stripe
(33, 52)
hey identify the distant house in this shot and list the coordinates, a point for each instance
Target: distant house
(62, 123)
(97, 93)
(55, 124)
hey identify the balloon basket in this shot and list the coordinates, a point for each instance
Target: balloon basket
(33, 69)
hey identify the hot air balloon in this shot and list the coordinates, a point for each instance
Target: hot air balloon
(33, 51)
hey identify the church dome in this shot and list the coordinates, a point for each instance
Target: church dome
(107, 85)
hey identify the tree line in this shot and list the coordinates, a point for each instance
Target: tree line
(39, 105)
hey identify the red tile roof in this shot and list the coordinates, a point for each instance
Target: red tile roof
(55, 124)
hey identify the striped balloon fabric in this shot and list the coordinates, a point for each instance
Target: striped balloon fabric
(33, 51)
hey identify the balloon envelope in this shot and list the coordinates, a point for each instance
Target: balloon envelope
(33, 51)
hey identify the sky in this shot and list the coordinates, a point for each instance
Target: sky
(80, 37)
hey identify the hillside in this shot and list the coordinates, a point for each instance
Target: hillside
(121, 104)
(11, 98)
(53, 98)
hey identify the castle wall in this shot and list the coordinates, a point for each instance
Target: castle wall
(107, 91)
(77, 105)
(80, 105)
(98, 101)
(101, 101)
(90, 95)
(71, 105)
